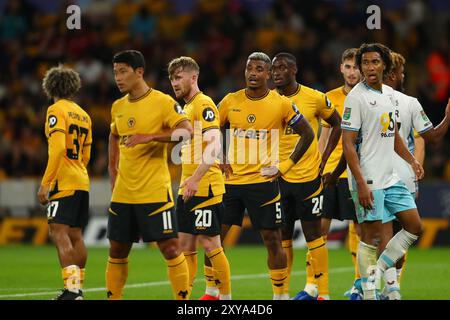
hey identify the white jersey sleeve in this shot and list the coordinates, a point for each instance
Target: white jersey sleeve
(420, 119)
(352, 116)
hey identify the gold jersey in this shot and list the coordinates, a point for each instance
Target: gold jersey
(337, 97)
(66, 117)
(203, 114)
(143, 173)
(313, 105)
(256, 125)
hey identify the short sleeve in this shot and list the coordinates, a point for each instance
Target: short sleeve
(208, 116)
(351, 118)
(175, 113)
(55, 121)
(325, 107)
(223, 110)
(421, 123)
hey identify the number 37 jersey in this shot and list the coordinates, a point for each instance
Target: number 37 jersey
(67, 117)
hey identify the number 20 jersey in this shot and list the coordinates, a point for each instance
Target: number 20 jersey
(67, 117)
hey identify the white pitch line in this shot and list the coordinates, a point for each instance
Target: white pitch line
(163, 283)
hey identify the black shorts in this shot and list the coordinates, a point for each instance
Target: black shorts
(149, 222)
(71, 210)
(203, 220)
(338, 203)
(297, 200)
(262, 201)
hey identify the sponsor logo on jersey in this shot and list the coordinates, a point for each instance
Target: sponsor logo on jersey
(52, 121)
(208, 114)
(347, 113)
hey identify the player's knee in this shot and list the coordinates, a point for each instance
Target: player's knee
(170, 249)
(415, 228)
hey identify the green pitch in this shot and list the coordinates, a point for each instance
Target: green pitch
(33, 273)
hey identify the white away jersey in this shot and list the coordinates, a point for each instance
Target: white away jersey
(372, 114)
(412, 116)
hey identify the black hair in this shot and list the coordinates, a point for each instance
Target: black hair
(133, 58)
(384, 52)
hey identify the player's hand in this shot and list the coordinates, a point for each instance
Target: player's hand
(271, 172)
(418, 169)
(43, 194)
(329, 180)
(226, 169)
(365, 196)
(135, 139)
(190, 186)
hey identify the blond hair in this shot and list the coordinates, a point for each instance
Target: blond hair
(185, 63)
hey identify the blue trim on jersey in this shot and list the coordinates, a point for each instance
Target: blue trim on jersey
(295, 119)
(426, 129)
(372, 89)
(349, 129)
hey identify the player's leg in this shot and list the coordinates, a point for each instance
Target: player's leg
(371, 227)
(216, 255)
(262, 201)
(76, 235)
(62, 214)
(117, 269)
(318, 258)
(401, 263)
(400, 202)
(233, 214)
(187, 239)
(59, 233)
(177, 267)
(287, 230)
(391, 289)
(276, 262)
(80, 257)
(122, 232)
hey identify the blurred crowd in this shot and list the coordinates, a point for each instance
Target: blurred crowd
(219, 34)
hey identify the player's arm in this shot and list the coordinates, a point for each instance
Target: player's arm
(401, 149)
(437, 133)
(113, 158)
(210, 154)
(365, 196)
(419, 149)
(323, 139)
(56, 149)
(181, 132)
(302, 128)
(335, 125)
(224, 163)
(333, 177)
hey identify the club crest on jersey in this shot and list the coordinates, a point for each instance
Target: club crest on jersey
(178, 108)
(251, 118)
(131, 122)
(347, 113)
(52, 120)
(208, 114)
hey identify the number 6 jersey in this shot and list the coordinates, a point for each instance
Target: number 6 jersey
(67, 173)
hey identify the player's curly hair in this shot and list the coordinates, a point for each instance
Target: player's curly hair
(397, 60)
(384, 52)
(186, 63)
(61, 82)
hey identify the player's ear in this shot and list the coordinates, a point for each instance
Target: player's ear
(140, 71)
